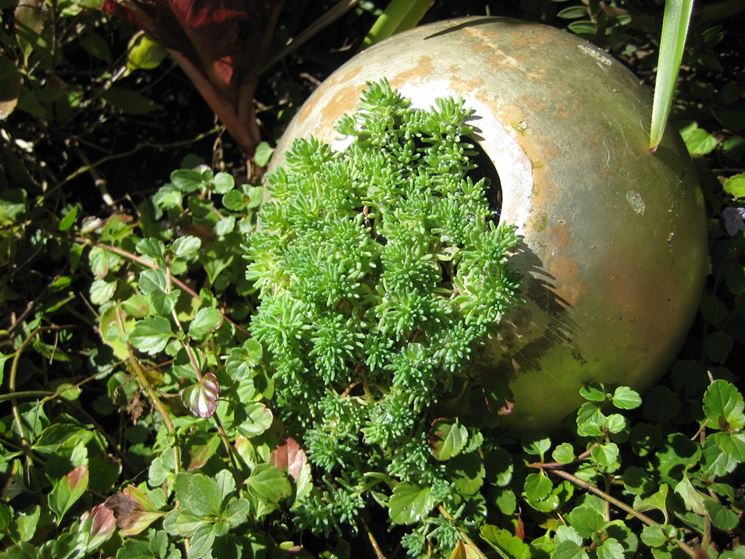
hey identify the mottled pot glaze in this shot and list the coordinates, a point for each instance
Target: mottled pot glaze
(613, 236)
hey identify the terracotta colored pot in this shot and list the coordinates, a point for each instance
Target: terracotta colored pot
(614, 240)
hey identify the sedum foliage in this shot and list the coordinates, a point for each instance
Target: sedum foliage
(380, 269)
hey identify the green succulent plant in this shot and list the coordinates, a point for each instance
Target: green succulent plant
(381, 269)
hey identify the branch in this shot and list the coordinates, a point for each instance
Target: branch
(146, 263)
(615, 502)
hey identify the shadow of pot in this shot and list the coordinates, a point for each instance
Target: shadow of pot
(613, 237)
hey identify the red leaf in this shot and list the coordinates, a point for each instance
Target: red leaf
(289, 457)
(220, 45)
(103, 521)
(202, 398)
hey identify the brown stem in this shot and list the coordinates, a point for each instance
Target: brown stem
(617, 503)
(553, 465)
(373, 542)
(120, 155)
(156, 401)
(466, 538)
(217, 102)
(152, 266)
(329, 16)
(12, 383)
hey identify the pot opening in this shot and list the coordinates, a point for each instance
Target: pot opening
(486, 170)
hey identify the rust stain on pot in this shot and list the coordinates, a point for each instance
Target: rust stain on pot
(422, 68)
(465, 87)
(344, 101)
(564, 268)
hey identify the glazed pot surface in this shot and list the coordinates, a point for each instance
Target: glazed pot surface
(613, 247)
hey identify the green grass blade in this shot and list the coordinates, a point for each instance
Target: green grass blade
(675, 25)
(400, 15)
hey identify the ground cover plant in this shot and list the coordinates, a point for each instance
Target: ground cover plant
(158, 401)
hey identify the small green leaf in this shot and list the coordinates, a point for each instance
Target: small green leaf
(68, 219)
(625, 398)
(593, 392)
(712, 308)
(144, 53)
(506, 501)
(225, 226)
(398, 16)
(263, 154)
(68, 490)
(732, 444)
(241, 361)
(606, 456)
(721, 517)
(102, 261)
(537, 487)
(237, 511)
(410, 503)
(61, 438)
(563, 453)
(653, 536)
(152, 248)
(503, 542)
(536, 443)
(572, 12)
(259, 420)
(96, 46)
(590, 420)
(205, 322)
(102, 291)
(448, 438)
(723, 405)
(178, 522)
(569, 550)
(718, 346)
(223, 182)
(201, 542)
(610, 549)
(151, 334)
(698, 141)
(26, 523)
(187, 247)
(234, 200)
(269, 484)
(657, 501)
(692, 498)
(586, 520)
(735, 185)
(615, 423)
(198, 494)
(129, 102)
(187, 180)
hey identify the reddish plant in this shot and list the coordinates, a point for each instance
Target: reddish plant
(219, 44)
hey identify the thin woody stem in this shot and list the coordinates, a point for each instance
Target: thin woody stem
(146, 263)
(615, 502)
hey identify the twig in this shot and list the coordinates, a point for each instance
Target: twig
(145, 384)
(144, 262)
(466, 537)
(98, 181)
(617, 503)
(373, 542)
(331, 15)
(114, 156)
(553, 465)
(12, 382)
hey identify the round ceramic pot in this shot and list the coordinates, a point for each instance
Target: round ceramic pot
(613, 247)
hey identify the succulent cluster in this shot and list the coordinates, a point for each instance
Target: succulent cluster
(380, 269)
